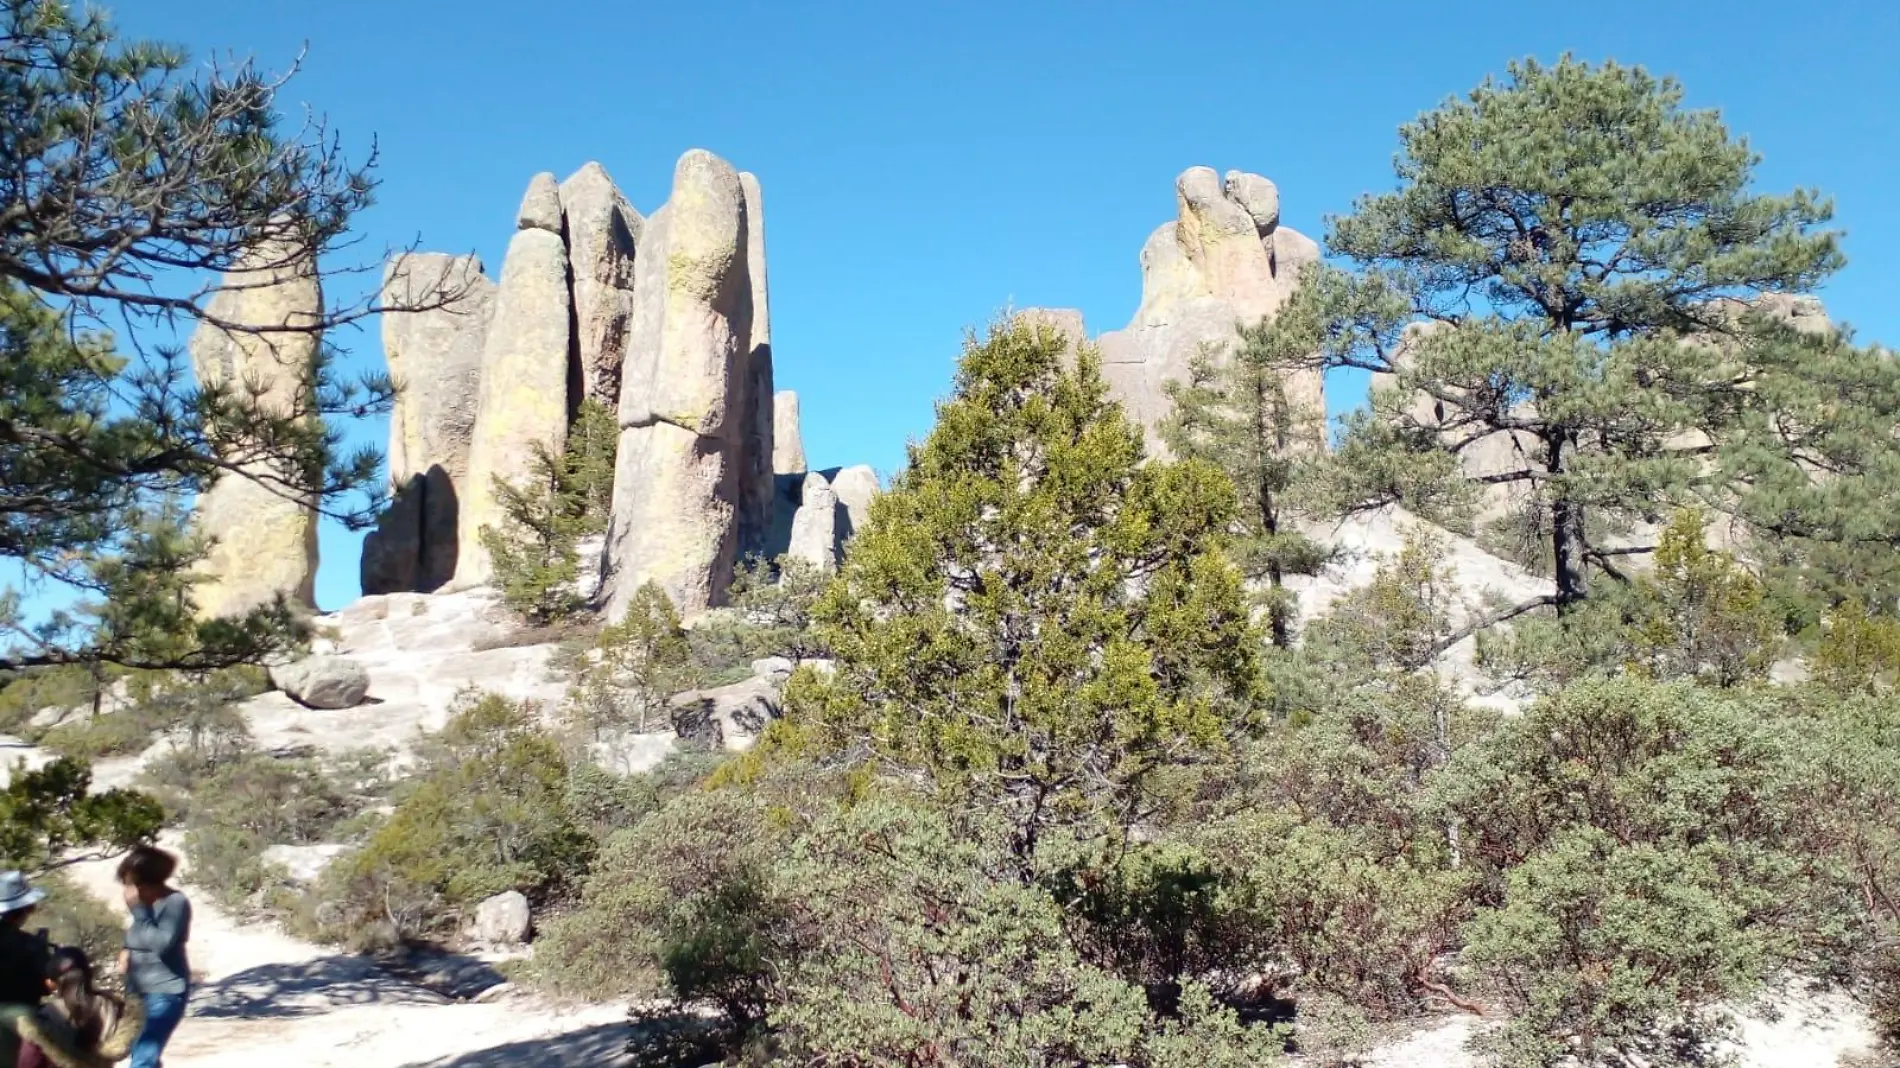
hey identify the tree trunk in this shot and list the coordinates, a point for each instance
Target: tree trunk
(1566, 532)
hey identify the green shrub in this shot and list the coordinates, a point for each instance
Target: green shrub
(565, 498)
(486, 812)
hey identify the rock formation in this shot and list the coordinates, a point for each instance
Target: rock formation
(263, 537)
(788, 448)
(687, 481)
(435, 355)
(1224, 259)
(525, 373)
(855, 486)
(815, 534)
(760, 398)
(602, 232)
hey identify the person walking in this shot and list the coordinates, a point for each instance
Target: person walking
(155, 965)
(24, 957)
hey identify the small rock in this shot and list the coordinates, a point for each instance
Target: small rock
(503, 920)
(773, 667)
(541, 205)
(496, 993)
(323, 682)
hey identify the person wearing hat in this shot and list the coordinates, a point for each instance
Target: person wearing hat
(24, 959)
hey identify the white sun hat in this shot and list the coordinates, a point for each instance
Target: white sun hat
(17, 894)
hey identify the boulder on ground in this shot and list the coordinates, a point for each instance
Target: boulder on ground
(328, 682)
(730, 717)
(503, 920)
(775, 668)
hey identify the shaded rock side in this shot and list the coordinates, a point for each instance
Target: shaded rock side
(815, 527)
(263, 533)
(523, 401)
(855, 486)
(680, 479)
(435, 356)
(1225, 259)
(759, 440)
(603, 230)
(788, 447)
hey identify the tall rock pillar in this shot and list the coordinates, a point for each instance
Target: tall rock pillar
(263, 533)
(526, 366)
(685, 477)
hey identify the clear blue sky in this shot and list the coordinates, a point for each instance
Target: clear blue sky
(924, 164)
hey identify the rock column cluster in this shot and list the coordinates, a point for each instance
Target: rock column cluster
(1224, 259)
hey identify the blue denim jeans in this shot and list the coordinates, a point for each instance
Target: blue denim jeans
(162, 1013)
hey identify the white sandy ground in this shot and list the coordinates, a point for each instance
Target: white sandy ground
(267, 998)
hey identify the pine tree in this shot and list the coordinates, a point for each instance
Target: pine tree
(1589, 248)
(1235, 413)
(1033, 618)
(126, 183)
(536, 549)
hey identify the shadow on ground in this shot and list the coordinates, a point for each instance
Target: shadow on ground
(604, 1046)
(309, 988)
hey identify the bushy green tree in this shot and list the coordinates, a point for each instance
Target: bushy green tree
(636, 666)
(49, 811)
(1234, 412)
(486, 813)
(536, 549)
(129, 181)
(1033, 617)
(768, 613)
(1589, 244)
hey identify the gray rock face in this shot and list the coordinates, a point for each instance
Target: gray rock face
(788, 448)
(1224, 259)
(855, 486)
(692, 482)
(435, 355)
(504, 920)
(541, 205)
(328, 682)
(602, 232)
(264, 543)
(815, 534)
(524, 384)
(773, 668)
(728, 717)
(760, 403)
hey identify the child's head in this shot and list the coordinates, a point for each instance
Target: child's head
(147, 867)
(69, 979)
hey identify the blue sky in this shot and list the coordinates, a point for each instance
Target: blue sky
(925, 164)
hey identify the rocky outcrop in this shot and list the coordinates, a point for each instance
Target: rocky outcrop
(815, 533)
(262, 531)
(602, 232)
(435, 356)
(687, 481)
(525, 371)
(788, 447)
(328, 682)
(1224, 259)
(760, 403)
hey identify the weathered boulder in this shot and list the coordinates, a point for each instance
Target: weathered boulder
(693, 443)
(773, 668)
(788, 448)
(435, 354)
(328, 682)
(855, 486)
(1225, 259)
(524, 381)
(729, 717)
(540, 205)
(263, 534)
(815, 534)
(603, 230)
(504, 920)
